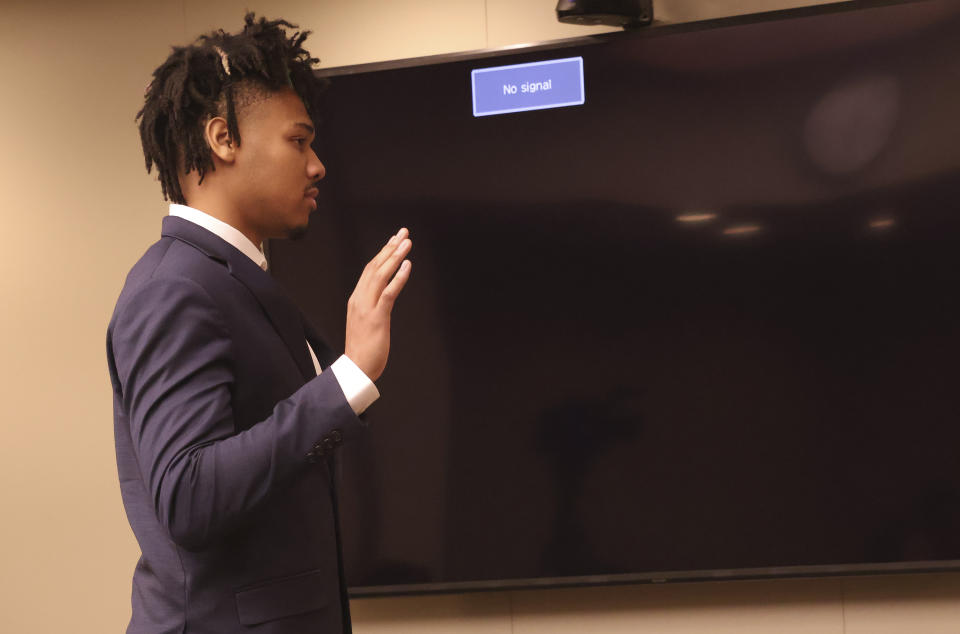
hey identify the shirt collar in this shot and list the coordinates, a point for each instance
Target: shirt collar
(218, 227)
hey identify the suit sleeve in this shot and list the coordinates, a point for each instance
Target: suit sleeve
(173, 357)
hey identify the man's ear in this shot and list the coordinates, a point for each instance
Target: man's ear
(218, 138)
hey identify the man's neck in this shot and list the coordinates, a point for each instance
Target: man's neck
(222, 229)
(224, 213)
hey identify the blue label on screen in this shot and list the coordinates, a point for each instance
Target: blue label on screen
(550, 84)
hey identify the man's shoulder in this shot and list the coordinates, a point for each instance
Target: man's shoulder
(172, 258)
(175, 266)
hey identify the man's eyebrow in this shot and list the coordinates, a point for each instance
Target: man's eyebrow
(306, 126)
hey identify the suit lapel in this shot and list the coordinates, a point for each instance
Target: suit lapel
(279, 309)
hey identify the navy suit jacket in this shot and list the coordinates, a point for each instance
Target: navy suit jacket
(225, 439)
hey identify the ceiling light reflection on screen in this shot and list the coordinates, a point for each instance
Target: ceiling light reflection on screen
(882, 223)
(696, 217)
(745, 229)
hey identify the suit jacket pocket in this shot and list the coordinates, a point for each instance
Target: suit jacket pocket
(285, 596)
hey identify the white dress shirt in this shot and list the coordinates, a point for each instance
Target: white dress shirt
(356, 385)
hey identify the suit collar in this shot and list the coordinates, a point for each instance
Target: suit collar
(279, 308)
(227, 232)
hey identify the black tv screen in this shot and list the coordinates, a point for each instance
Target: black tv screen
(700, 319)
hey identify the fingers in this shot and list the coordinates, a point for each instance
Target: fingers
(379, 271)
(392, 290)
(389, 266)
(389, 248)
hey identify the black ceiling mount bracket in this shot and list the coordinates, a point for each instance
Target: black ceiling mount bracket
(629, 14)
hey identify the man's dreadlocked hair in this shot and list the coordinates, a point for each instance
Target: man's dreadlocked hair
(215, 76)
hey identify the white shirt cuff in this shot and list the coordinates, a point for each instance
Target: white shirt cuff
(357, 386)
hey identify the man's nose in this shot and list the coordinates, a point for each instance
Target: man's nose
(317, 169)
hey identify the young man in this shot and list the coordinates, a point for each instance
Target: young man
(228, 413)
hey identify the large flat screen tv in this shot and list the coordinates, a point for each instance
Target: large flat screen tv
(687, 309)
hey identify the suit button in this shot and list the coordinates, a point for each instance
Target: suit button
(337, 436)
(329, 444)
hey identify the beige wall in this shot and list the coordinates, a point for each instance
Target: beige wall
(79, 208)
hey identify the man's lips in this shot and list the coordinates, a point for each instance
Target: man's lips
(313, 192)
